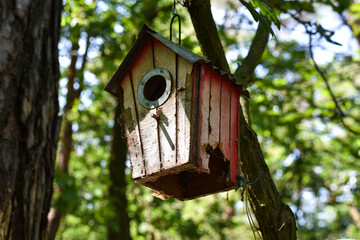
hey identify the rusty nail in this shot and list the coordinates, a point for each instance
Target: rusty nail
(156, 117)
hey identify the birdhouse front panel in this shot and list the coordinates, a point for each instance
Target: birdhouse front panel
(181, 117)
(161, 130)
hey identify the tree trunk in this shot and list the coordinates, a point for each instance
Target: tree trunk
(275, 219)
(118, 225)
(29, 122)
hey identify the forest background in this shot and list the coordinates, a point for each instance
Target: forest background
(304, 108)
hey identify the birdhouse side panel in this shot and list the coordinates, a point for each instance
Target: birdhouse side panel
(168, 142)
(129, 118)
(234, 133)
(148, 125)
(225, 117)
(184, 105)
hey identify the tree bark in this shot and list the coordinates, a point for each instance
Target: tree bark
(206, 32)
(118, 225)
(244, 74)
(29, 122)
(275, 219)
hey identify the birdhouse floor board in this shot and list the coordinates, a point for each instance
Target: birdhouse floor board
(187, 182)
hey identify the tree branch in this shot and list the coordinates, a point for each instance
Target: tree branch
(244, 74)
(354, 213)
(276, 220)
(338, 111)
(81, 71)
(206, 32)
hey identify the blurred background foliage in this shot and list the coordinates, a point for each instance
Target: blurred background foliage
(312, 147)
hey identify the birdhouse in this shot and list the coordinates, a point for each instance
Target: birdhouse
(181, 116)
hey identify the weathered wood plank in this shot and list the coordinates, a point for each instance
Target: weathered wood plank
(225, 117)
(205, 84)
(184, 91)
(195, 108)
(148, 124)
(234, 138)
(215, 99)
(132, 129)
(165, 58)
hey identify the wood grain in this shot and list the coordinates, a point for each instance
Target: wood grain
(148, 125)
(132, 129)
(234, 133)
(205, 84)
(184, 91)
(195, 114)
(165, 58)
(215, 99)
(225, 117)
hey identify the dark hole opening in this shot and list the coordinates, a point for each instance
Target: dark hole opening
(154, 88)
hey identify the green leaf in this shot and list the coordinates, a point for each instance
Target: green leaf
(252, 10)
(266, 10)
(327, 35)
(257, 16)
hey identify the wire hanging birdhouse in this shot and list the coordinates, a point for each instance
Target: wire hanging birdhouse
(181, 116)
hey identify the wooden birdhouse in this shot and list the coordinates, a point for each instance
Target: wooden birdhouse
(181, 116)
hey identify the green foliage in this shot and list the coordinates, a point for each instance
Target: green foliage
(355, 18)
(69, 199)
(311, 155)
(315, 157)
(265, 10)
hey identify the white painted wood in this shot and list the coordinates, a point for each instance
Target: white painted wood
(184, 93)
(165, 58)
(215, 99)
(132, 130)
(204, 114)
(148, 125)
(225, 117)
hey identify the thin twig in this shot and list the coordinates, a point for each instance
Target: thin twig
(339, 113)
(244, 73)
(281, 227)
